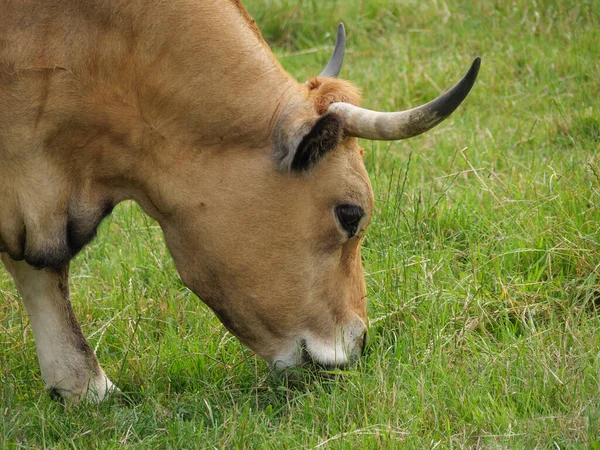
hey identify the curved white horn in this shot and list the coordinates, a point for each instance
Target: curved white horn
(333, 67)
(390, 126)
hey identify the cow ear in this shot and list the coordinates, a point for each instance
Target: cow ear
(310, 145)
(323, 137)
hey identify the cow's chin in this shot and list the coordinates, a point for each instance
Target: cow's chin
(327, 354)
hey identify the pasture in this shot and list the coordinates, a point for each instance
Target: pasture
(482, 260)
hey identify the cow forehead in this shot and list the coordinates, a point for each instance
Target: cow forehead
(344, 174)
(340, 178)
(250, 174)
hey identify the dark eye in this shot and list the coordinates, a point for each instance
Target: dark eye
(349, 216)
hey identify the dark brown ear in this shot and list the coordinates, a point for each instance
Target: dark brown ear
(323, 137)
(300, 144)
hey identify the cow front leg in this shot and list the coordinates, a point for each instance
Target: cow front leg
(68, 364)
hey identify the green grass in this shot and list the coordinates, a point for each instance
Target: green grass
(482, 260)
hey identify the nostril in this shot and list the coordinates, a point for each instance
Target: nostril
(304, 355)
(363, 344)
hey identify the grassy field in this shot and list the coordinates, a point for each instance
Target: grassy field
(482, 260)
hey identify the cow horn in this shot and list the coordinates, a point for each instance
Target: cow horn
(389, 126)
(333, 67)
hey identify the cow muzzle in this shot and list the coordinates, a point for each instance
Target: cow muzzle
(338, 351)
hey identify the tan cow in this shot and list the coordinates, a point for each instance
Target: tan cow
(256, 180)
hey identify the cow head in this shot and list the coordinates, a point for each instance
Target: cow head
(269, 237)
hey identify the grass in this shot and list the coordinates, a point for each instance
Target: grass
(482, 261)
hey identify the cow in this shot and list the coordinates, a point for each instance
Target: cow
(256, 180)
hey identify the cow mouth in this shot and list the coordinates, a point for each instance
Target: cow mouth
(311, 355)
(326, 371)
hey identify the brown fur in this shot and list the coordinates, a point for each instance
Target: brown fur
(325, 91)
(181, 107)
(249, 20)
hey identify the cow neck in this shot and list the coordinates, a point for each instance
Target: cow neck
(181, 79)
(196, 73)
(116, 95)
(204, 75)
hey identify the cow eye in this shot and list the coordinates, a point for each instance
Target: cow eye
(349, 217)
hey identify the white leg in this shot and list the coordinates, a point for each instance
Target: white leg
(69, 367)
